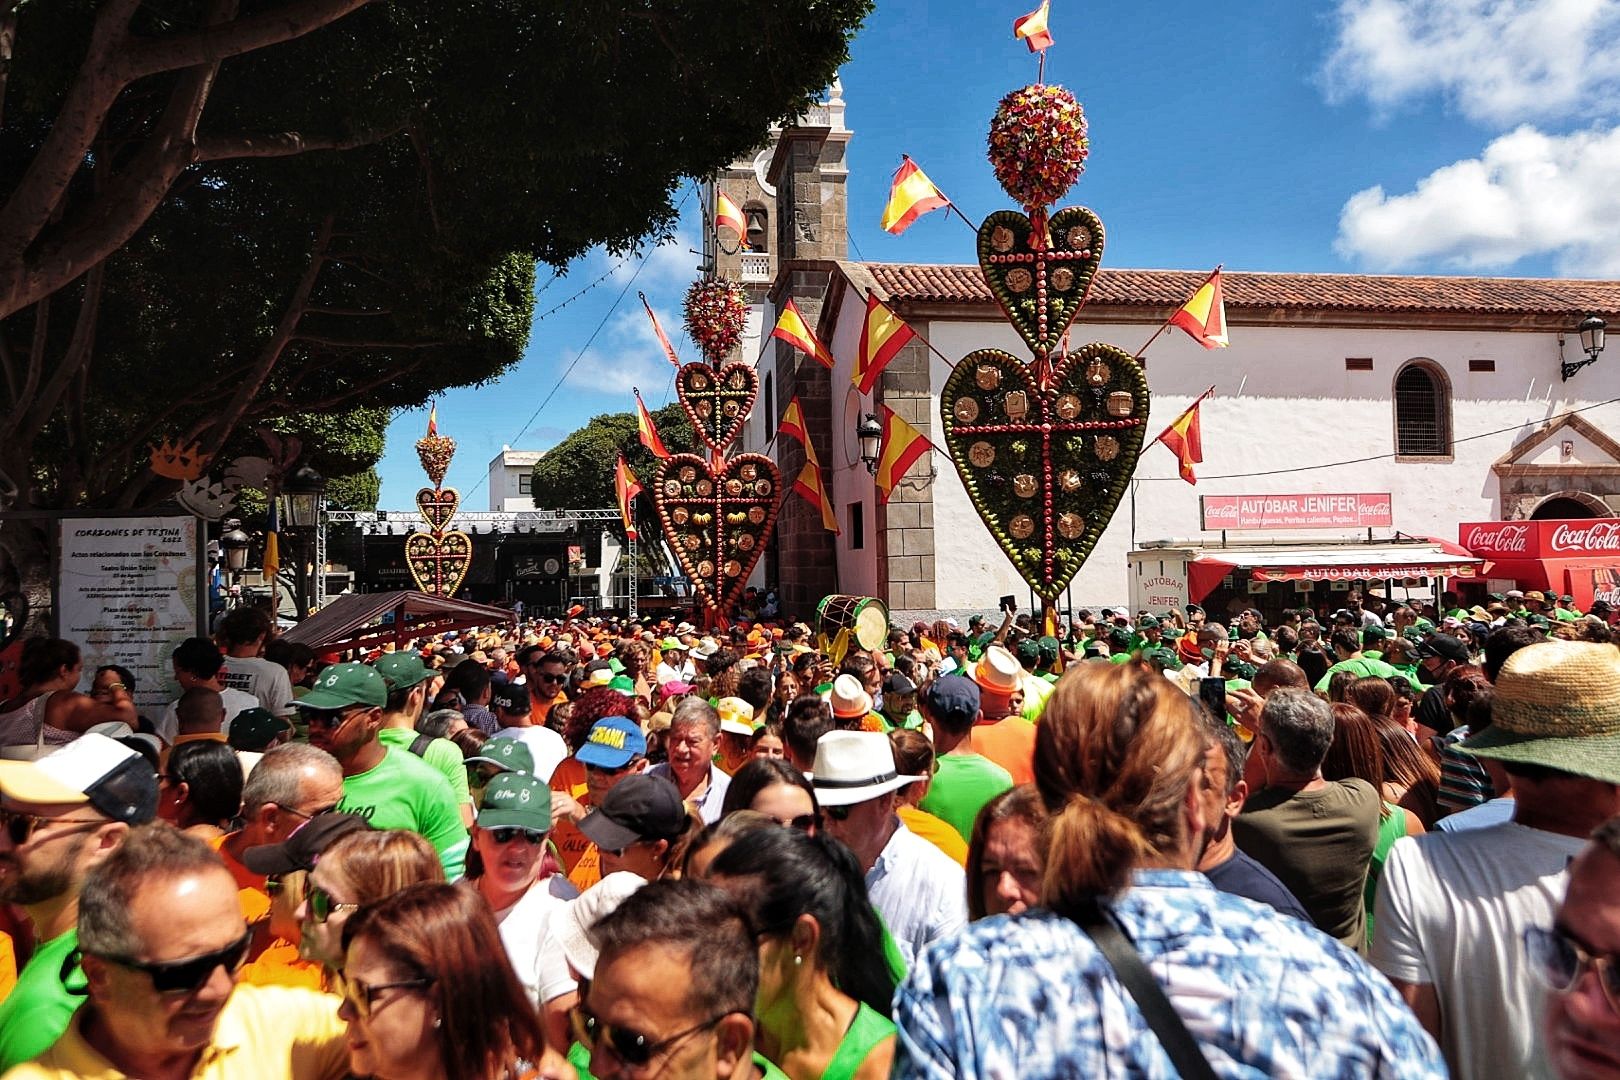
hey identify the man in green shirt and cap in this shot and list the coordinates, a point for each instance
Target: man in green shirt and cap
(407, 678)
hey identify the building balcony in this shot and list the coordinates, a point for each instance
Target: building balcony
(755, 268)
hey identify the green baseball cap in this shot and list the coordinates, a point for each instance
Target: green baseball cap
(508, 755)
(255, 729)
(1166, 658)
(622, 684)
(516, 799)
(403, 670)
(342, 685)
(1374, 633)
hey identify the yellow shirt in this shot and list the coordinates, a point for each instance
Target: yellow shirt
(936, 831)
(264, 1033)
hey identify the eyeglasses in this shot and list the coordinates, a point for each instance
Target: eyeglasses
(332, 718)
(321, 904)
(545, 678)
(1559, 961)
(508, 833)
(188, 976)
(804, 822)
(838, 813)
(362, 996)
(20, 827)
(630, 1047)
(306, 815)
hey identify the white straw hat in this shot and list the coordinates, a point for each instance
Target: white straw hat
(855, 766)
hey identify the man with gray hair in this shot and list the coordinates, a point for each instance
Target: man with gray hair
(693, 732)
(1316, 835)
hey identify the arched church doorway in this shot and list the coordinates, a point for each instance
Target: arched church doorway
(1570, 505)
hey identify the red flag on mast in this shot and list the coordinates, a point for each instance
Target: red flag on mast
(1185, 438)
(647, 430)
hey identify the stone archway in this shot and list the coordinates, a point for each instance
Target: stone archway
(1570, 505)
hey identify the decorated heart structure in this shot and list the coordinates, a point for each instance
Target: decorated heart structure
(1041, 277)
(1046, 467)
(437, 506)
(717, 402)
(716, 313)
(718, 519)
(439, 561)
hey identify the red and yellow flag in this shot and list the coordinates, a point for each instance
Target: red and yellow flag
(882, 335)
(1204, 316)
(663, 338)
(627, 488)
(1185, 438)
(902, 445)
(809, 485)
(911, 195)
(433, 419)
(791, 328)
(728, 216)
(1032, 30)
(793, 425)
(648, 431)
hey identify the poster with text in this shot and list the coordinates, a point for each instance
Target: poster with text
(127, 594)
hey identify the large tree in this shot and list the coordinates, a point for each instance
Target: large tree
(577, 473)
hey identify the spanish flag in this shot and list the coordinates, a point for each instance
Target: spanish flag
(911, 195)
(1204, 316)
(648, 431)
(1185, 438)
(663, 338)
(1032, 28)
(882, 335)
(902, 445)
(727, 216)
(793, 425)
(433, 419)
(272, 543)
(791, 328)
(809, 485)
(627, 488)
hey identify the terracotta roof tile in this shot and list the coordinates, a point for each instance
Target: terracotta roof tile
(943, 284)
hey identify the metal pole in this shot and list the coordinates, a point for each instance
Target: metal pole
(319, 600)
(633, 583)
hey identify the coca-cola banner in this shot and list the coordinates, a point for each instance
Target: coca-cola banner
(1318, 511)
(1598, 539)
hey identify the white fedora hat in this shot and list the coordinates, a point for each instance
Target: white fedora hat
(998, 671)
(849, 698)
(854, 766)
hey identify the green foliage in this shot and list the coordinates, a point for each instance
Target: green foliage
(577, 473)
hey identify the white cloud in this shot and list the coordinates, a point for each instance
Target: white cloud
(670, 263)
(1529, 194)
(626, 354)
(1497, 61)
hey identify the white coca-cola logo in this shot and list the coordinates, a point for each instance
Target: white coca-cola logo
(1501, 538)
(1221, 511)
(1598, 536)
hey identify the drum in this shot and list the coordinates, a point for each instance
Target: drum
(865, 617)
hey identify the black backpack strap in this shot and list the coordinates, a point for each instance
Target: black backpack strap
(420, 744)
(1144, 989)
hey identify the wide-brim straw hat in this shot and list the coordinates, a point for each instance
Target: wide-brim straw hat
(998, 671)
(848, 697)
(1557, 705)
(854, 767)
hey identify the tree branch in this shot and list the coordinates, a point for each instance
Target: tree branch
(8, 364)
(80, 347)
(212, 44)
(36, 361)
(8, 44)
(419, 141)
(282, 144)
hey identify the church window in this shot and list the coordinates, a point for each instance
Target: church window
(1422, 411)
(758, 222)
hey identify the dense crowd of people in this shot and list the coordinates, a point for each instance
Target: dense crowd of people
(1382, 841)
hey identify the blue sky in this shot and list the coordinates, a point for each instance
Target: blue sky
(1421, 136)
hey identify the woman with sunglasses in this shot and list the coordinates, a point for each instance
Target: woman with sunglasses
(776, 789)
(361, 868)
(428, 993)
(506, 864)
(824, 989)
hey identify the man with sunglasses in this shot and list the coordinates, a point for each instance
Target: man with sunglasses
(547, 680)
(389, 787)
(1578, 961)
(60, 817)
(163, 999)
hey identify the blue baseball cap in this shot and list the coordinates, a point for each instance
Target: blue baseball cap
(952, 699)
(613, 743)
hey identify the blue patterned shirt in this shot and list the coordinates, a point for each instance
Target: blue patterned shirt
(1263, 994)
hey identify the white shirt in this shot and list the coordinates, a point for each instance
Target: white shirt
(264, 679)
(919, 890)
(1452, 910)
(545, 745)
(668, 674)
(707, 804)
(235, 701)
(524, 928)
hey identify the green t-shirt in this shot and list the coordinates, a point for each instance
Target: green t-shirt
(963, 783)
(442, 754)
(1565, 615)
(404, 792)
(38, 1009)
(580, 1058)
(1359, 666)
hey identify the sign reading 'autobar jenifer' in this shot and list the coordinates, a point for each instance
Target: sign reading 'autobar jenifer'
(1317, 511)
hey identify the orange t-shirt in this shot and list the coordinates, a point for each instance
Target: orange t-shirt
(280, 965)
(936, 831)
(1009, 743)
(539, 710)
(250, 890)
(581, 861)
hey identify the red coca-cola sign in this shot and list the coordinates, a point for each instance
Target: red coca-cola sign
(1567, 538)
(1499, 538)
(1599, 539)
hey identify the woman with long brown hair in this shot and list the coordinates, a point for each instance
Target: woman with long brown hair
(429, 993)
(1119, 764)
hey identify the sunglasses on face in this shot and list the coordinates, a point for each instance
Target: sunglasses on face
(630, 1047)
(300, 813)
(362, 996)
(321, 904)
(188, 976)
(20, 827)
(837, 813)
(545, 678)
(333, 719)
(1559, 962)
(508, 833)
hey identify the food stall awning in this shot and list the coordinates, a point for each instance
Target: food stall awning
(1343, 562)
(370, 619)
(1580, 558)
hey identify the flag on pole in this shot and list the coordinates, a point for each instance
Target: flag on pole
(809, 485)
(627, 488)
(791, 328)
(433, 419)
(882, 335)
(793, 424)
(911, 195)
(1032, 30)
(902, 445)
(648, 431)
(1185, 438)
(728, 216)
(272, 542)
(663, 338)
(1204, 316)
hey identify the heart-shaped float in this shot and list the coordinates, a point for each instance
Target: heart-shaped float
(718, 519)
(439, 564)
(1041, 280)
(717, 400)
(438, 506)
(1046, 467)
